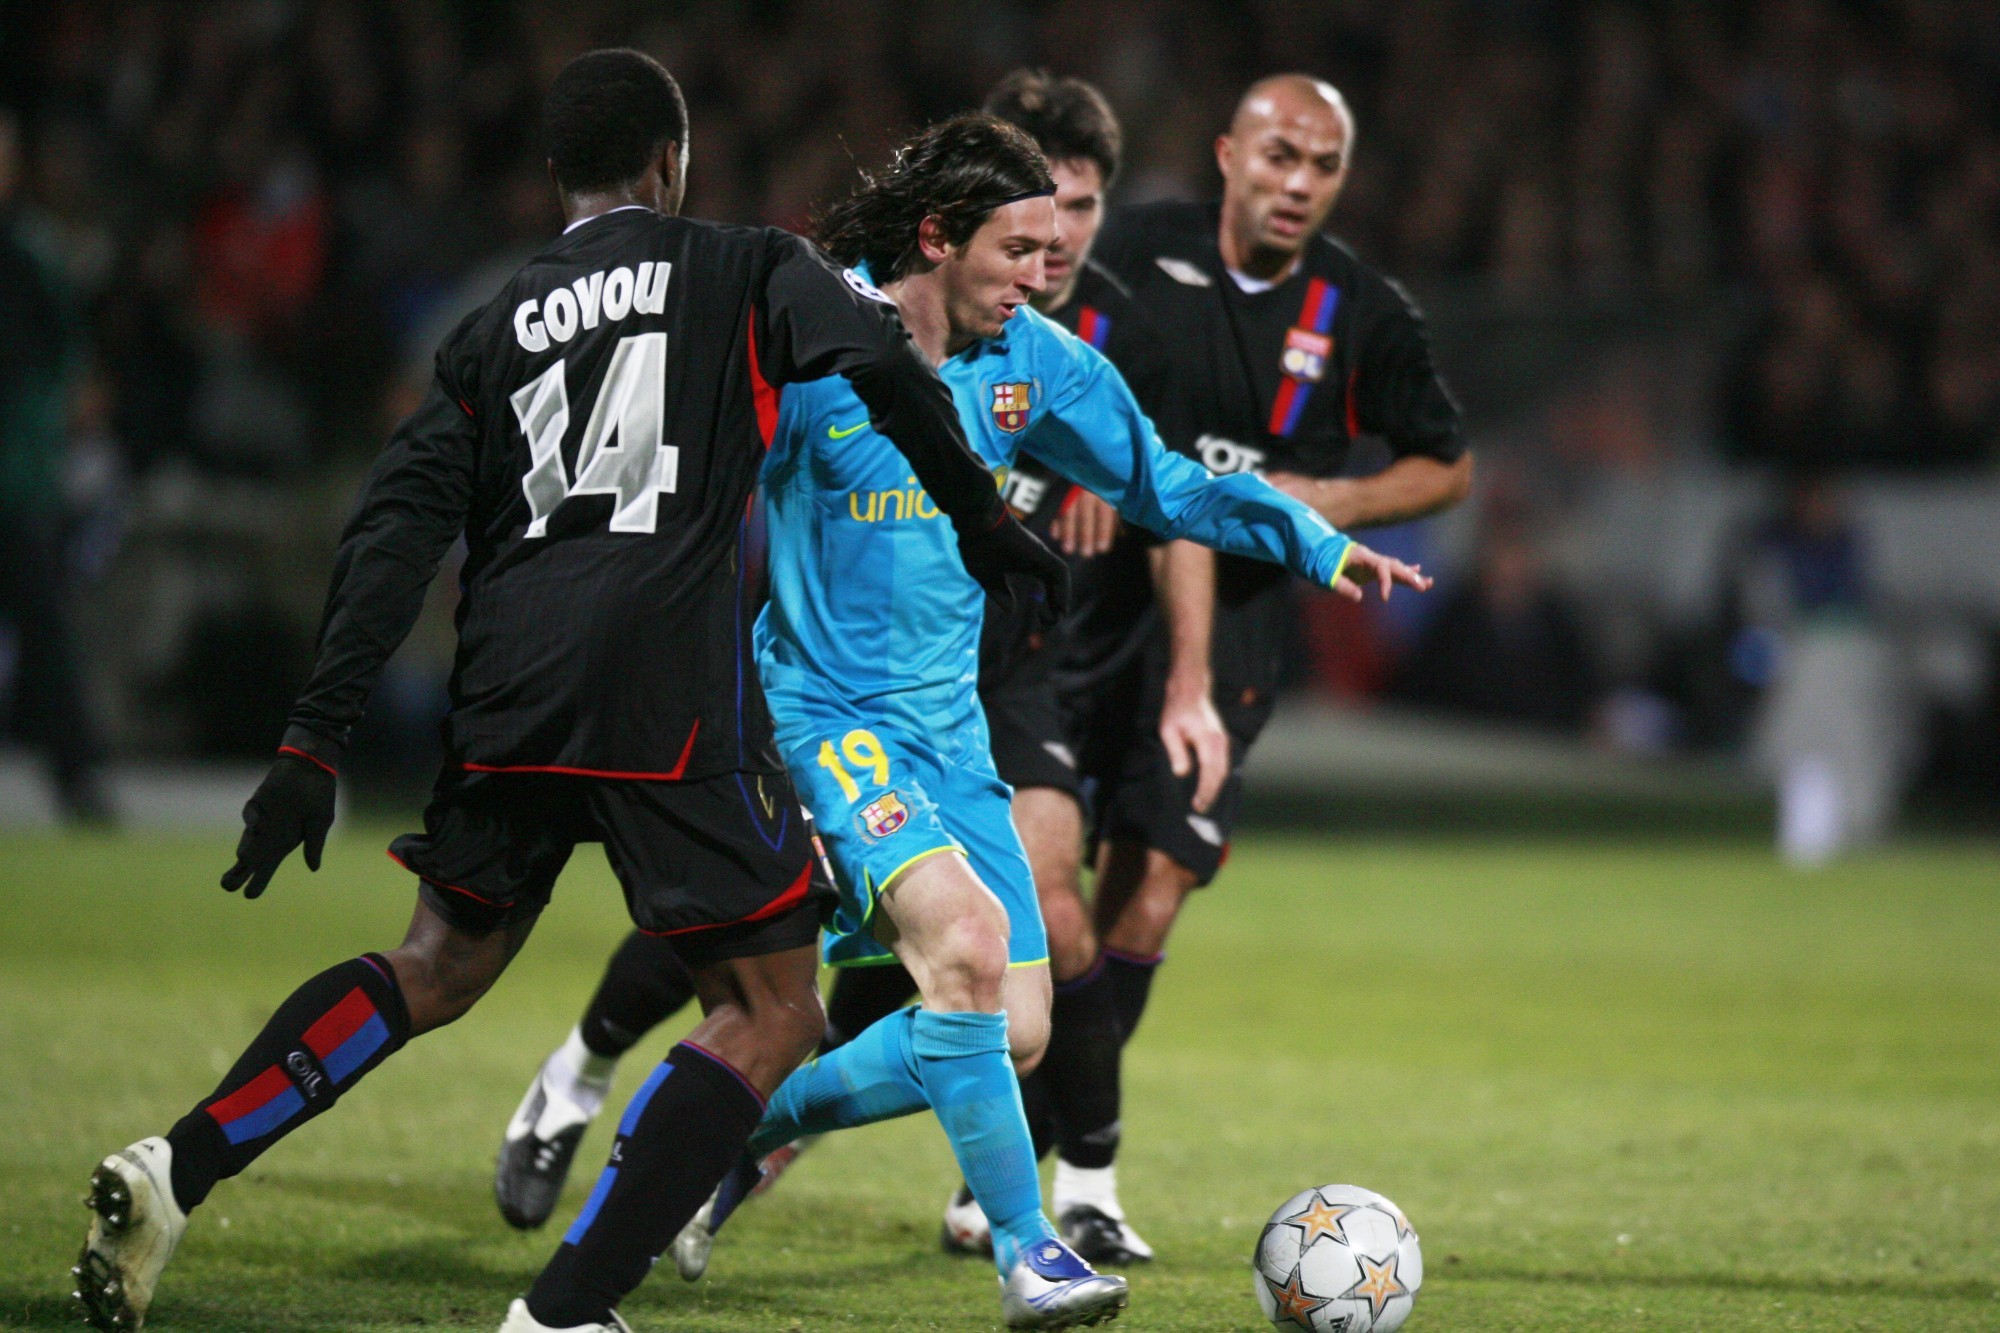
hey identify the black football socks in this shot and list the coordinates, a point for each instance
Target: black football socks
(1086, 1034)
(320, 1043)
(644, 984)
(863, 997)
(1040, 1108)
(683, 1131)
(1131, 976)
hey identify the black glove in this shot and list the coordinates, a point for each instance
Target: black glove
(1014, 567)
(293, 804)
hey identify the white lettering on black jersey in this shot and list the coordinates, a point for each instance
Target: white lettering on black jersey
(599, 296)
(594, 435)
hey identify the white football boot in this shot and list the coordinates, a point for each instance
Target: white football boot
(1092, 1220)
(135, 1224)
(694, 1243)
(541, 1140)
(965, 1229)
(1051, 1288)
(520, 1321)
(696, 1240)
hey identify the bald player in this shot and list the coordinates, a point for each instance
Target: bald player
(1287, 348)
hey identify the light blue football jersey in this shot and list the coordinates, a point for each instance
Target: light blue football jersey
(872, 613)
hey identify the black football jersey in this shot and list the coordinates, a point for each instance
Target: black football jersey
(1279, 380)
(595, 434)
(1104, 619)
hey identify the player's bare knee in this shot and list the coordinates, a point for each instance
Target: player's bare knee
(968, 964)
(1027, 1039)
(792, 1021)
(1148, 917)
(1072, 938)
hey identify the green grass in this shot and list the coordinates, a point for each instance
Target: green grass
(1614, 1085)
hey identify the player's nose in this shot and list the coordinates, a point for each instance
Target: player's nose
(1034, 278)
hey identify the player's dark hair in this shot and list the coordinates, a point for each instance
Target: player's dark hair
(1069, 118)
(609, 116)
(957, 171)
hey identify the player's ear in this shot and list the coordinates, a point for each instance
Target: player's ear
(1225, 153)
(931, 242)
(673, 175)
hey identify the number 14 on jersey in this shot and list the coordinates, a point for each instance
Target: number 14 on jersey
(621, 453)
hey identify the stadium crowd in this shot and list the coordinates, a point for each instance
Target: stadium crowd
(264, 213)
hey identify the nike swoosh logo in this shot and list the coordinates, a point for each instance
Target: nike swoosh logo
(836, 433)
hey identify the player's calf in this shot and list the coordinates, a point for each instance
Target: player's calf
(682, 1132)
(325, 1038)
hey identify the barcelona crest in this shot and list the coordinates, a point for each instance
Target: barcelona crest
(1306, 354)
(1010, 406)
(883, 815)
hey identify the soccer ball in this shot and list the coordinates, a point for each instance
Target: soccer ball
(1338, 1259)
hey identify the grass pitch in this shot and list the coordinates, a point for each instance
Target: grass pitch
(1614, 1086)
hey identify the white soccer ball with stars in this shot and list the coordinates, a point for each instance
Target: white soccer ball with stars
(1338, 1259)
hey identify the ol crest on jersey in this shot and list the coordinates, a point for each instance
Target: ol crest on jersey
(1306, 354)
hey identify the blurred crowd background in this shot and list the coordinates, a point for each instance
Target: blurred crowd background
(1718, 285)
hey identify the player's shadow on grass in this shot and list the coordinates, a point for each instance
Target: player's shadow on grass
(23, 1309)
(874, 1295)
(447, 1203)
(1957, 1290)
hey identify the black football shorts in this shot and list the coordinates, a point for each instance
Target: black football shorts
(1030, 742)
(1129, 779)
(725, 867)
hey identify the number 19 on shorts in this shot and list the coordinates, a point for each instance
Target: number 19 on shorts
(864, 752)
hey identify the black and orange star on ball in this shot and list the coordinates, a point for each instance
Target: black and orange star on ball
(1319, 1218)
(1296, 1303)
(1379, 1283)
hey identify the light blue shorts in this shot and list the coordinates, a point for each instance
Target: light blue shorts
(884, 801)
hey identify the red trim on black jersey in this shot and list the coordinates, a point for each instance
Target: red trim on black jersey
(784, 902)
(295, 750)
(1353, 414)
(762, 395)
(671, 775)
(391, 853)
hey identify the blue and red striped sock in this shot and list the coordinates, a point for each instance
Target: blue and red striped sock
(323, 1039)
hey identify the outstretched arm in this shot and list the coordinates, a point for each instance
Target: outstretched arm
(1096, 434)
